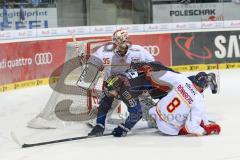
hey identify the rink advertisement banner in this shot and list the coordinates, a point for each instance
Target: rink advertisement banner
(22, 61)
(193, 12)
(159, 45)
(30, 60)
(28, 18)
(108, 30)
(206, 47)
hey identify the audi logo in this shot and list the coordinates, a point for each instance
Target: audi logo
(43, 58)
(154, 50)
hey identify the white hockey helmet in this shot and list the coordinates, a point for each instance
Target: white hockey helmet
(120, 39)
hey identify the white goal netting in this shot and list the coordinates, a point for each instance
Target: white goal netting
(69, 104)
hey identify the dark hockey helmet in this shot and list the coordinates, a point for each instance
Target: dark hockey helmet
(201, 79)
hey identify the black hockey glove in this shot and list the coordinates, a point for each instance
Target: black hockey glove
(120, 131)
(97, 130)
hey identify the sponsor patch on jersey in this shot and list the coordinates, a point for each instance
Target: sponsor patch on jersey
(185, 95)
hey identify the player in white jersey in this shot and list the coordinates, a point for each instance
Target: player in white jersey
(118, 58)
(182, 111)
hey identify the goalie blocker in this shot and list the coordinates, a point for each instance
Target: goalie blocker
(90, 73)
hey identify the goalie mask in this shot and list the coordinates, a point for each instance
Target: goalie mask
(121, 42)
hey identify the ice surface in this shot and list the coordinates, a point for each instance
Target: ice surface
(18, 107)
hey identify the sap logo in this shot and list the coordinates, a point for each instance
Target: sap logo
(227, 47)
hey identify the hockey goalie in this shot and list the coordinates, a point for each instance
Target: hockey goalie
(112, 59)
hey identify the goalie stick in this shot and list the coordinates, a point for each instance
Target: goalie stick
(26, 145)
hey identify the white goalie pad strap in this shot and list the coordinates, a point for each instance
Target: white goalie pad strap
(90, 74)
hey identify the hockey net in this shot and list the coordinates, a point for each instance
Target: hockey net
(68, 103)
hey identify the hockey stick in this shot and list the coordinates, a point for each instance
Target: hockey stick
(26, 145)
